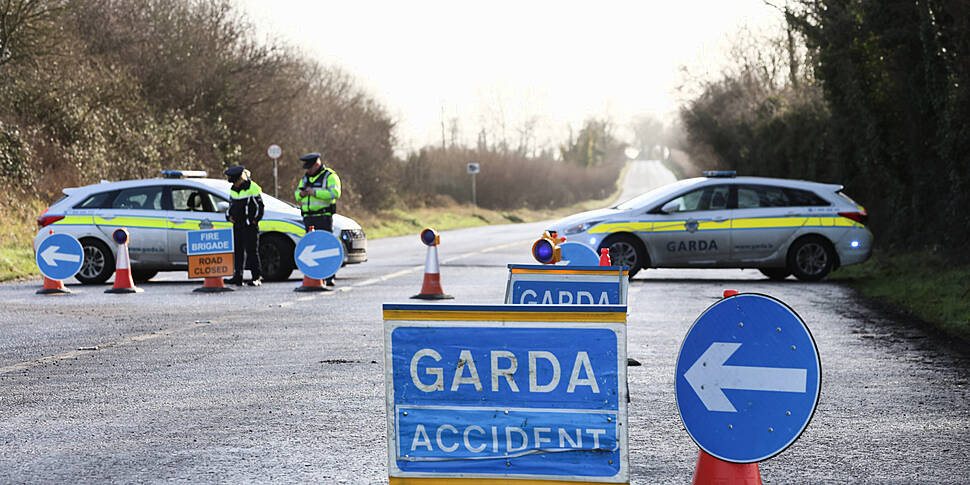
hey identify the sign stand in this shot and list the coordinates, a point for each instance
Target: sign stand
(59, 257)
(748, 379)
(474, 168)
(275, 152)
(501, 393)
(318, 255)
(210, 253)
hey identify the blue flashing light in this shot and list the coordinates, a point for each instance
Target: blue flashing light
(179, 174)
(429, 237)
(543, 251)
(720, 173)
(120, 236)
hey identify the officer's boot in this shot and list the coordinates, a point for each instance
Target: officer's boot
(256, 281)
(330, 281)
(236, 279)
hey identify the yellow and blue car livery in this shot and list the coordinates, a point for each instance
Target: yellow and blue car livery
(158, 212)
(781, 227)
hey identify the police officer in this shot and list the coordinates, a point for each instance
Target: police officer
(317, 194)
(245, 212)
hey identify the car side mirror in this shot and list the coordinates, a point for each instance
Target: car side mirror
(222, 206)
(670, 207)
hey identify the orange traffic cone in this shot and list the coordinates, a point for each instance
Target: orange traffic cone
(431, 288)
(712, 471)
(123, 281)
(53, 287)
(605, 257)
(212, 284)
(311, 284)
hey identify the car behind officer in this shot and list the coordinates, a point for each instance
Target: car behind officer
(245, 212)
(317, 194)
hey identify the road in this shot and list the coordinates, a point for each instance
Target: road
(269, 385)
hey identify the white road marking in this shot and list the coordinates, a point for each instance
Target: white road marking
(77, 353)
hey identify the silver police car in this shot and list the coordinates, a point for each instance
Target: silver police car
(778, 226)
(158, 212)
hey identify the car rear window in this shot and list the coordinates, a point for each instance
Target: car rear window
(101, 200)
(804, 198)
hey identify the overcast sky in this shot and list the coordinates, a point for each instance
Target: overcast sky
(557, 62)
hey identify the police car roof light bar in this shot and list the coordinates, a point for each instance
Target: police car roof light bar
(179, 174)
(720, 173)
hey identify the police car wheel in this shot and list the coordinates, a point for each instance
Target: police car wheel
(775, 274)
(626, 250)
(811, 258)
(98, 264)
(276, 257)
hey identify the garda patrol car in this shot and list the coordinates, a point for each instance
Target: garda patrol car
(778, 226)
(158, 212)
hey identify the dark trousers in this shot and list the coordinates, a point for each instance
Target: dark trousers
(245, 242)
(319, 223)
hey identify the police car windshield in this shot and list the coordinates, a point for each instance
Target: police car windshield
(652, 195)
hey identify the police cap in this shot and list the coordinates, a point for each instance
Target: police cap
(233, 173)
(309, 159)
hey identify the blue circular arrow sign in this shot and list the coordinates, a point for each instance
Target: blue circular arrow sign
(319, 254)
(748, 378)
(578, 254)
(59, 257)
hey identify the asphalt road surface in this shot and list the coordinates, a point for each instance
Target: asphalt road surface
(269, 385)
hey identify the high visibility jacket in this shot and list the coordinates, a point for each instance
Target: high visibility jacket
(245, 204)
(322, 200)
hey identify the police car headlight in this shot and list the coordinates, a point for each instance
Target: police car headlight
(580, 228)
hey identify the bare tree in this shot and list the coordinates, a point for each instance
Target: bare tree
(26, 27)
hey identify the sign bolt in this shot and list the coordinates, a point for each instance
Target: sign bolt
(405, 413)
(508, 464)
(741, 324)
(778, 329)
(793, 347)
(787, 413)
(771, 429)
(730, 426)
(506, 411)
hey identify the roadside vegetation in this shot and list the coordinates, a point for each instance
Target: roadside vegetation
(121, 89)
(872, 95)
(931, 286)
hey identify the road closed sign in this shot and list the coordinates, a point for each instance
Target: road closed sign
(506, 392)
(566, 285)
(210, 253)
(748, 378)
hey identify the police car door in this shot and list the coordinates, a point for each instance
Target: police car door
(696, 232)
(192, 207)
(139, 210)
(764, 222)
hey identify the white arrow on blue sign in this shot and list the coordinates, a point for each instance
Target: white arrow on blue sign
(60, 256)
(319, 254)
(748, 378)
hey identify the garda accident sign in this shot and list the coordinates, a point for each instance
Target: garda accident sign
(506, 392)
(567, 285)
(210, 252)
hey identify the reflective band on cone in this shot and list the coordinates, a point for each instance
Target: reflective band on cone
(212, 284)
(53, 287)
(431, 287)
(711, 471)
(123, 281)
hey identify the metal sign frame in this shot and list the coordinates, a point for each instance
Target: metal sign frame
(462, 319)
(568, 275)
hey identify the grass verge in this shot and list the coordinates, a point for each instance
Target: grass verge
(932, 287)
(399, 222)
(17, 230)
